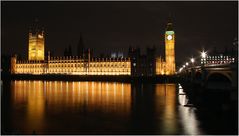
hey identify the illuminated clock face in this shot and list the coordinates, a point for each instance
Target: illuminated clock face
(169, 37)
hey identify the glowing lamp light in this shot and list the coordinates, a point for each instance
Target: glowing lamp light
(184, 66)
(186, 63)
(203, 54)
(192, 60)
(180, 69)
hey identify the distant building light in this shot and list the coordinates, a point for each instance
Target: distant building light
(120, 55)
(113, 55)
(203, 54)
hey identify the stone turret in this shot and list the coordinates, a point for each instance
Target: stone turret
(13, 64)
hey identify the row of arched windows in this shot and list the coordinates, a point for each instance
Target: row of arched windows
(72, 67)
(29, 66)
(91, 65)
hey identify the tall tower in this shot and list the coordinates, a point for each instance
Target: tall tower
(36, 43)
(80, 47)
(169, 49)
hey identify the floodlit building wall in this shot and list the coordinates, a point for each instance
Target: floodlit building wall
(74, 66)
(36, 46)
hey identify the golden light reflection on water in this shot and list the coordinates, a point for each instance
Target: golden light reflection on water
(102, 95)
(40, 105)
(37, 97)
(108, 97)
(175, 115)
(166, 100)
(30, 97)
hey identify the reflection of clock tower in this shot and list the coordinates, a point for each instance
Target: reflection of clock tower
(169, 50)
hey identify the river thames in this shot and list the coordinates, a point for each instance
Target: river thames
(66, 107)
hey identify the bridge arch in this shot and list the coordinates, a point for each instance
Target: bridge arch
(219, 80)
(198, 75)
(218, 75)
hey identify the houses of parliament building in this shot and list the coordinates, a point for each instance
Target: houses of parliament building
(85, 64)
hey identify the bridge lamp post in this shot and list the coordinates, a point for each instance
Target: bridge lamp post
(183, 67)
(186, 63)
(180, 69)
(192, 60)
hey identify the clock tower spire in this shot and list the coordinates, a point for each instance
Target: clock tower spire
(169, 49)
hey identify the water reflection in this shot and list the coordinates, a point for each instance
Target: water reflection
(182, 97)
(53, 97)
(187, 114)
(29, 99)
(166, 103)
(95, 95)
(62, 107)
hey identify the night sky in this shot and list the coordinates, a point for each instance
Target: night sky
(114, 26)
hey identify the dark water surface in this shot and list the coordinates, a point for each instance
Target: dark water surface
(61, 107)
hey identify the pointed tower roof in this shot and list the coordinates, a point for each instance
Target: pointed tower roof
(169, 27)
(169, 24)
(35, 26)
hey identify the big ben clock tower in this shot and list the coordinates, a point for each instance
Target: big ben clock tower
(169, 50)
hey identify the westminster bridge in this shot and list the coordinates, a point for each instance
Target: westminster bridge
(213, 79)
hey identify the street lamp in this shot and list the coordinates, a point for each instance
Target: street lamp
(192, 60)
(180, 69)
